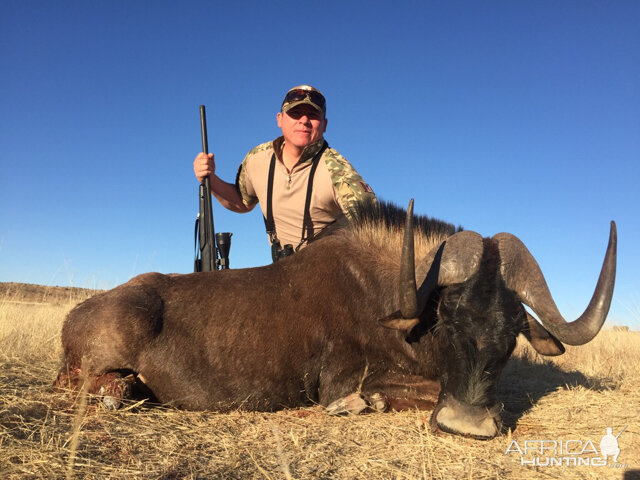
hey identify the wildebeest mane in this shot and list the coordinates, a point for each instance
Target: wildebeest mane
(382, 222)
(389, 215)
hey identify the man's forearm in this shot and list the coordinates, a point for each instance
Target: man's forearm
(227, 195)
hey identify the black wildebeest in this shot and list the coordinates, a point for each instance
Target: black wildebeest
(350, 322)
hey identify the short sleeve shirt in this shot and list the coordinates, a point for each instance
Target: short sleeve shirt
(336, 188)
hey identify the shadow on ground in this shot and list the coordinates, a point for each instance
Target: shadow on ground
(525, 382)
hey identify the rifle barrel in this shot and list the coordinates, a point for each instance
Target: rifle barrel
(622, 431)
(203, 129)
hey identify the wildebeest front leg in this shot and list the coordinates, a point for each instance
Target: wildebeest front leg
(388, 391)
(401, 391)
(345, 388)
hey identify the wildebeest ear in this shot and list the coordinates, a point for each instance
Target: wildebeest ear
(396, 322)
(540, 339)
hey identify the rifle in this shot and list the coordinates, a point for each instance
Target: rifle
(206, 259)
(622, 431)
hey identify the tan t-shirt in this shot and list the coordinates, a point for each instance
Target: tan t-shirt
(336, 187)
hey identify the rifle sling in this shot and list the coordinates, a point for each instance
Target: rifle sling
(197, 263)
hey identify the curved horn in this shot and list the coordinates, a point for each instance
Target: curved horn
(408, 289)
(522, 274)
(454, 261)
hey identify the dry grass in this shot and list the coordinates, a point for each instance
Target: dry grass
(46, 435)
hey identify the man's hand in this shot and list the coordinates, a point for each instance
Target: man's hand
(204, 166)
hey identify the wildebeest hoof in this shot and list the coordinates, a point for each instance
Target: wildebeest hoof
(109, 402)
(353, 403)
(356, 403)
(378, 403)
(115, 390)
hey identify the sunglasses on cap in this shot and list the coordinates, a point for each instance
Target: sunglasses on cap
(304, 94)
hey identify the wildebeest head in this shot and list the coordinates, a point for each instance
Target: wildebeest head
(475, 289)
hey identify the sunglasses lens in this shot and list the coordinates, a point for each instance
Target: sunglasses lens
(295, 96)
(298, 95)
(318, 99)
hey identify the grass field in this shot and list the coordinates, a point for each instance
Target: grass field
(572, 398)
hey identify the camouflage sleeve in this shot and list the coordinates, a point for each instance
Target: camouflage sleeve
(241, 186)
(243, 180)
(349, 186)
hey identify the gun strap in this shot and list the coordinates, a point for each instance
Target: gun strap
(307, 224)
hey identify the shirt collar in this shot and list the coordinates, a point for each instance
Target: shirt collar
(307, 154)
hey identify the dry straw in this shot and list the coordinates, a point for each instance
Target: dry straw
(52, 435)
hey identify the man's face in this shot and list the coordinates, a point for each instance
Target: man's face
(302, 125)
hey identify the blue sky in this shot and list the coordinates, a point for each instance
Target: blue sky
(498, 116)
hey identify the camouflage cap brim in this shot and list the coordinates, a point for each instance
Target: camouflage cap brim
(304, 94)
(288, 106)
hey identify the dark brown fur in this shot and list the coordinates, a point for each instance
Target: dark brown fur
(299, 331)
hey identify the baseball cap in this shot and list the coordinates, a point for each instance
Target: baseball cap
(304, 94)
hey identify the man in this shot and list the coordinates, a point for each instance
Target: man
(312, 186)
(609, 445)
